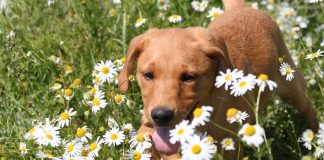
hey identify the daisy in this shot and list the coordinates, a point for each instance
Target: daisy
(319, 152)
(197, 149)
(106, 71)
(119, 99)
(83, 134)
(97, 102)
(23, 149)
(243, 85)
(214, 12)
(182, 132)
(263, 80)
(97, 81)
(114, 137)
(112, 122)
(234, 115)
(65, 117)
(228, 78)
(138, 154)
(139, 22)
(128, 128)
(163, 4)
(140, 140)
(314, 55)
(68, 69)
(33, 132)
(131, 77)
(287, 71)
(95, 147)
(228, 144)
(175, 18)
(68, 94)
(73, 149)
(314, 1)
(201, 115)
(252, 134)
(116, 1)
(308, 136)
(56, 86)
(320, 134)
(130, 103)
(43, 155)
(49, 135)
(55, 59)
(77, 83)
(199, 6)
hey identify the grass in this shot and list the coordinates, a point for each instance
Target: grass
(84, 32)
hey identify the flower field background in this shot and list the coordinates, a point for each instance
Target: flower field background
(50, 52)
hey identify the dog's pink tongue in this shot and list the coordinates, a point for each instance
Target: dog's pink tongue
(161, 139)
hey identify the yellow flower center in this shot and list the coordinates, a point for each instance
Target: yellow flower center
(228, 77)
(288, 71)
(23, 149)
(93, 146)
(97, 79)
(70, 148)
(131, 77)
(92, 91)
(101, 129)
(56, 85)
(196, 149)
(231, 112)
(77, 82)
(118, 98)
(85, 153)
(314, 55)
(105, 70)
(32, 130)
(140, 138)
(228, 143)
(210, 139)
(242, 84)
(68, 92)
(68, 68)
(49, 155)
(80, 132)
(180, 131)
(48, 136)
(197, 112)
(174, 16)
(64, 116)
(137, 155)
(123, 60)
(114, 137)
(215, 14)
(309, 135)
(139, 20)
(249, 131)
(263, 77)
(96, 102)
(161, 3)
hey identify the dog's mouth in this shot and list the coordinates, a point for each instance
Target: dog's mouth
(161, 136)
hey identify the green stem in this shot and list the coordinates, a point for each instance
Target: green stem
(223, 128)
(257, 106)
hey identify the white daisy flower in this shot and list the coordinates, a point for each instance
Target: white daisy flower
(119, 99)
(32, 132)
(228, 144)
(138, 154)
(140, 140)
(199, 6)
(68, 69)
(201, 115)
(128, 127)
(116, 1)
(56, 86)
(252, 134)
(320, 135)
(55, 59)
(175, 18)
(228, 78)
(163, 4)
(139, 22)
(73, 149)
(287, 71)
(234, 115)
(314, 1)
(319, 152)
(130, 103)
(197, 149)
(106, 71)
(308, 136)
(314, 55)
(76, 83)
(263, 80)
(112, 122)
(23, 148)
(49, 135)
(98, 102)
(43, 155)
(182, 132)
(243, 85)
(97, 81)
(68, 94)
(95, 147)
(83, 134)
(65, 117)
(114, 137)
(214, 13)
(119, 63)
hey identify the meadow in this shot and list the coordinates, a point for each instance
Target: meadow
(53, 55)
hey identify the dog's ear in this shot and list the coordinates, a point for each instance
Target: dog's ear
(135, 48)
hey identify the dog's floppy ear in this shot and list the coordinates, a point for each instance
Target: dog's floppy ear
(135, 47)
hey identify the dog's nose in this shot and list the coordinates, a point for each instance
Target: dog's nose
(162, 116)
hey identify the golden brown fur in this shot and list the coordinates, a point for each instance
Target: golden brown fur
(241, 38)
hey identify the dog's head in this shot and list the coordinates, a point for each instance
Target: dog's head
(176, 69)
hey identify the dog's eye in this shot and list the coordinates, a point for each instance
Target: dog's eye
(187, 77)
(148, 75)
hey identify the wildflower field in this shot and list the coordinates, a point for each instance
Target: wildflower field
(59, 97)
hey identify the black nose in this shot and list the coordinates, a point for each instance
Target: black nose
(162, 116)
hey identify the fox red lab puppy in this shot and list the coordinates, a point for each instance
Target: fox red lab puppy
(176, 70)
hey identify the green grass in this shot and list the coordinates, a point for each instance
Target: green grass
(94, 30)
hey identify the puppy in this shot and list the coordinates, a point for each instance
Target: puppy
(176, 70)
